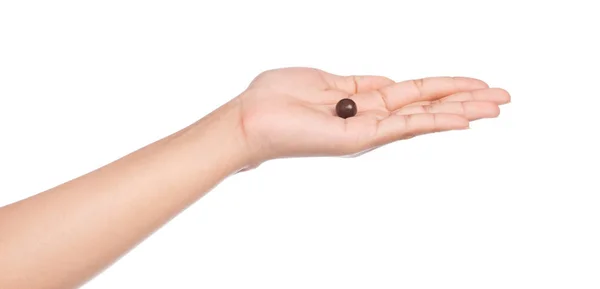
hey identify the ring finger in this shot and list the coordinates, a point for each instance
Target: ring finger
(495, 95)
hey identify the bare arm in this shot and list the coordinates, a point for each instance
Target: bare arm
(64, 236)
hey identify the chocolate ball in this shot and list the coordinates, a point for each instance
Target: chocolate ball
(346, 108)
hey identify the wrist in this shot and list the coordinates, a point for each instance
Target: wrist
(221, 137)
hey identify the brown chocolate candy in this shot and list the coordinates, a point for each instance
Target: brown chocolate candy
(346, 108)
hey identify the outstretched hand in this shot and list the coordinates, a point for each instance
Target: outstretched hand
(290, 112)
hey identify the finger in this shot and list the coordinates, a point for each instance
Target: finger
(354, 84)
(397, 127)
(403, 93)
(471, 110)
(495, 95)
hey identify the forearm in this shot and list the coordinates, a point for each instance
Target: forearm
(64, 236)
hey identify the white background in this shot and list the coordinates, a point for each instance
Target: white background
(511, 203)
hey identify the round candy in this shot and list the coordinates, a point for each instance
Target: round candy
(346, 108)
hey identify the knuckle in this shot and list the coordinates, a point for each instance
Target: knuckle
(462, 107)
(384, 98)
(418, 82)
(427, 108)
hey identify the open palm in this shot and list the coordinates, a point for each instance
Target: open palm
(291, 112)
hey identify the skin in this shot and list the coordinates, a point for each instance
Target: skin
(64, 236)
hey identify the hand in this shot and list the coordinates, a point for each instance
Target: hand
(291, 112)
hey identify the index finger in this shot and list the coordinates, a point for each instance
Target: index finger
(353, 84)
(403, 93)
